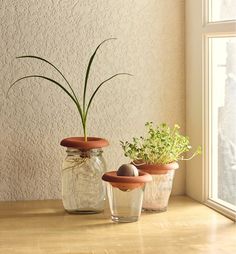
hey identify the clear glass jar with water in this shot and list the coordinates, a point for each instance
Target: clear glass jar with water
(83, 191)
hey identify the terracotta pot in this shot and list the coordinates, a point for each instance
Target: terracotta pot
(157, 169)
(80, 143)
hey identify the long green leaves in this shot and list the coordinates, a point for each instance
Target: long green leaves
(53, 81)
(88, 70)
(94, 93)
(83, 111)
(44, 60)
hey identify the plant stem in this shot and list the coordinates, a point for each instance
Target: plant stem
(84, 130)
(190, 158)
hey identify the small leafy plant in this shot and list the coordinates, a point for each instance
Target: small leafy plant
(83, 108)
(162, 145)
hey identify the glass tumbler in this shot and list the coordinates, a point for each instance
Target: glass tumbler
(125, 195)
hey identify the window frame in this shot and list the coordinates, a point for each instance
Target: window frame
(198, 99)
(218, 205)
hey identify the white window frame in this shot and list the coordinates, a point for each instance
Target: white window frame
(198, 102)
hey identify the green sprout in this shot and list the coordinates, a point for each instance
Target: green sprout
(162, 145)
(83, 108)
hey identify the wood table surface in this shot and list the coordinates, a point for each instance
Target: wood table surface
(44, 227)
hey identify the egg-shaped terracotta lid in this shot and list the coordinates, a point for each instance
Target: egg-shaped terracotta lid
(127, 182)
(79, 142)
(157, 169)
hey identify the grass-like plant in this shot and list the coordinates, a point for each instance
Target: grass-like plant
(162, 145)
(83, 108)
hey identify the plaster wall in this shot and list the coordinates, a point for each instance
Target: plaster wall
(37, 115)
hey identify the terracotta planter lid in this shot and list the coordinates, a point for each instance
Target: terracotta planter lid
(78, 142)
(157, 169)
(126, 182)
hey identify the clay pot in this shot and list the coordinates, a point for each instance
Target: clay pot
(157, 169)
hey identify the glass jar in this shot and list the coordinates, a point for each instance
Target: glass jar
(83, 191)
(157, 192)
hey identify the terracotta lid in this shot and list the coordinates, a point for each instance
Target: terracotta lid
(157, 169)
(78, 142)
(127, 182)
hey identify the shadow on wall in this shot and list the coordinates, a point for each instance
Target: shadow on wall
(37, 117)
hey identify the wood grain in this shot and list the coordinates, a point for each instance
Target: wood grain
(37, 227)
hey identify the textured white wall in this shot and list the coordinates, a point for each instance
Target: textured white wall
(37, 115)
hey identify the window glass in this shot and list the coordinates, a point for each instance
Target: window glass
(222, 10)
(223, 122)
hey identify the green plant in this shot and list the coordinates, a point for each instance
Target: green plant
(83, 108)
(162, 145)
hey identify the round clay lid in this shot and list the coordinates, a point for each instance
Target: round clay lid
(111, 176)
(78, 142)
(156, 169)
(126, 183)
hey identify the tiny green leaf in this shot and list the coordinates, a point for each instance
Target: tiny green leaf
(162, 145)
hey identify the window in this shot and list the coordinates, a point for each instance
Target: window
(220, 70)
(222, 10)
(222, 67)
(211, 101)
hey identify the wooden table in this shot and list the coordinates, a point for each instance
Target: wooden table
(44, 227)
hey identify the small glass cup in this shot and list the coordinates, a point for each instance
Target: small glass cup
(125, 195)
